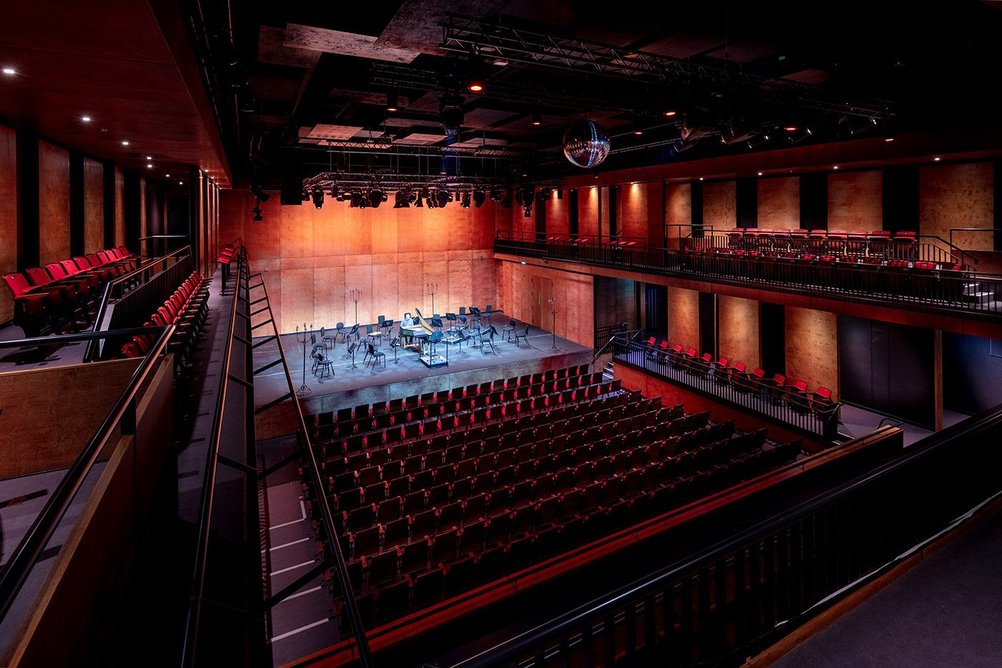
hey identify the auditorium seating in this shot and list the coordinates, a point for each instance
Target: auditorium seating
(186, 309)
(62, 295)
(489, 479)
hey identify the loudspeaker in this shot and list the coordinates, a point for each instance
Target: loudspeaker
(291, 166)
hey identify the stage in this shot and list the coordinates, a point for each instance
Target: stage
(407, 374)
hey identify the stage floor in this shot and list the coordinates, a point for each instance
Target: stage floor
(406, 375)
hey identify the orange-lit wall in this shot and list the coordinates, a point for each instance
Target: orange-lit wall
(310, 258)
(720, 205)
(93, 205)
(958, 195)
(738, 331)
(779, 203)
(8, 216)
(678, 211)
(812, 348)
(683, 317)
(855, 201)
(557, 215)
(588, 211)
(523, 291)
(53, 203)
(640, 211)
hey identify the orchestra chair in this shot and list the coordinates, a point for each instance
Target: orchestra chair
(523, 335)
(508, 331)
(374, 355)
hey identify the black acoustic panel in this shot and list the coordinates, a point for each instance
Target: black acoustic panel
(291, 167)
(772, 337)
(655, 306)
(108, 179)
(540, 219)
(887, 368)
(972, 373)
(76, 203)
(708, 323)
(613, 214)
(746, 193)
(901, 198)
(814, 201)
(132, 203)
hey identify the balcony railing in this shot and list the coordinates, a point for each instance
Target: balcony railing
(920, 284)
(776, 403)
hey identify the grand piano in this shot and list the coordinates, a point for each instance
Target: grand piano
(413, 330)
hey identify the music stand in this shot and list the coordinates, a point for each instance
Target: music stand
(304, 387)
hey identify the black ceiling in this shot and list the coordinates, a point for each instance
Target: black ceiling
(298, 75)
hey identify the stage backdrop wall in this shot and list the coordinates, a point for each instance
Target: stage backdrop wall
(310, 258)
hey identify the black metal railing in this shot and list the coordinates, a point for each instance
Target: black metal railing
(236, 451)
(734, 598)
(929, 289)
(129, 299)
(781, 404)
(322, 514)
(29, 553)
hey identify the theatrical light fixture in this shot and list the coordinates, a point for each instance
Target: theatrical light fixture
(443, 197)
(465, 200)
(479, 197)
(86, 119)
(377, 197)
(670, 113)
(475, 86)
(257, 214)
(392, 102)
(318, 198)
(537, 119)
(9, 71)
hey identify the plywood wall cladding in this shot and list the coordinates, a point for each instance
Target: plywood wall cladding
(523, 291)
(779, 203)
(855, 201)
(958, 196)
(93, 205)
(53, 203)
(310, 258)
(8, 215)
(521, 224)
(812, 348)
(557, 215)
(738, 330)
(588, 199)
(683, 317)
(678, 209)
(633, 202)
(720, 207)
(120, 208)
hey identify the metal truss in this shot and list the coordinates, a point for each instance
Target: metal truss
(486, 39)
(399, 181)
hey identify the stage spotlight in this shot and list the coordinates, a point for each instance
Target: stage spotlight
(318, 198)
(257, 214)
(475, 86)
(479, 197)
(392, 102)
(376, 197)
(465, 200)
(443, 197)
(401, 200)
(495, 194)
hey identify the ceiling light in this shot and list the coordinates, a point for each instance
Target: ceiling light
(9, 71)
(149, 165)
(937, 159)
(500, 62)
(392, 102)
(166, 176)
(760, 173)
(638, 132)
(790, 128)
(670, 113)
(125, 142)
(537, 119)
(180, 183)
(86, 119)
(149, 157)
(835, 167)
(888, 140)
(475, 86)
(700, 178)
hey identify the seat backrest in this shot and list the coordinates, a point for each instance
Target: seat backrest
(800, 385)
(759, 373)
(82, 262)
(16, 283)
(55, 270)
(38, 276)
(740, 367)
(94, 260)
(70, 267)
(779, 379)
(823, 393)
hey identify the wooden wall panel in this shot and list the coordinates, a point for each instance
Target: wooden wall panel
(633, 202)
(522, 225)
(8, 216)
(678, 211)
(683, 317)
(120, 208)
(720, 205)
(779, 203)
(588, 211)
(855, 201)
(53, 203)
(41, 430)
(557, 215)
(958, 195)
(575, 293)
(812, 348)
(738, 330)
(311, 257)
(93, 205)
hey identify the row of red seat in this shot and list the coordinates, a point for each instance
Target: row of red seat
(186, 309)
(57, 296)
(454, 528)
(879, 243)
(777, 387)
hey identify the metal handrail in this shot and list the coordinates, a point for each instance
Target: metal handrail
(509, 650)
(197, 591)
(628, 335)
(25, 555)
(332, 544)
(58, 339)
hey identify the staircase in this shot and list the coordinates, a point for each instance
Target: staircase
(976, 293)
(608, 372)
